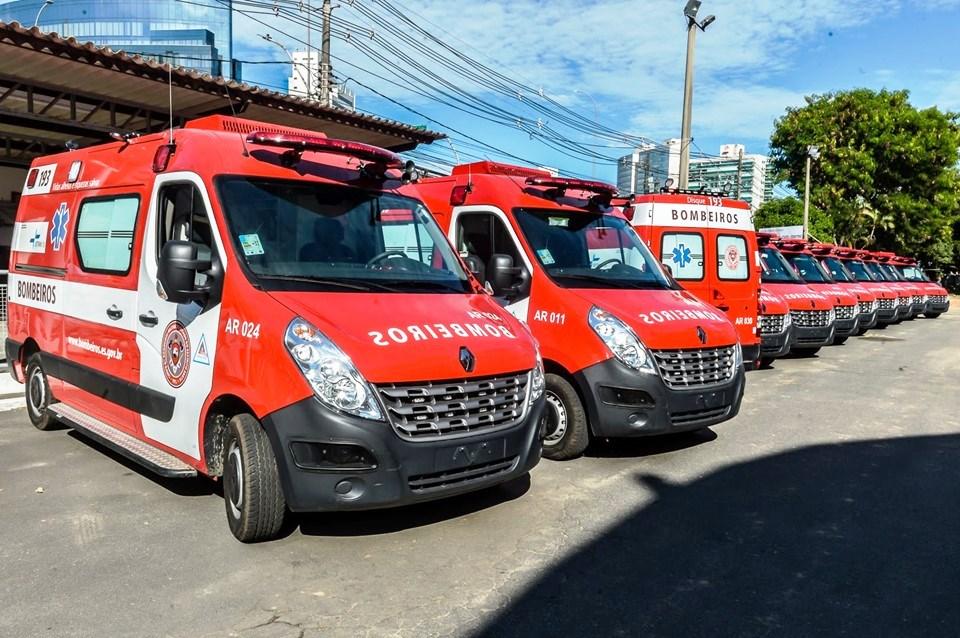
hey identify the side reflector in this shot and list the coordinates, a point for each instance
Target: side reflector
(459, 195)
(32, 178)
(162, 157)
(74, 173)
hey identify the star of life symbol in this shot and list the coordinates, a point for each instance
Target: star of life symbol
(681, 255)
(58, 234)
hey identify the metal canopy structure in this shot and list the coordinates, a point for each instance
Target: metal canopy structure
(54, 90)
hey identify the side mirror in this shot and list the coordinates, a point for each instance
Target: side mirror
(177, 272)
(475, 266)
(508, 281)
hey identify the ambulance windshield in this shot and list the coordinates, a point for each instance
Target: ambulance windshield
(877, 272)
(590, 250)
(859, 270)
(776, 270)
(810, 271)
(299, 235)
(837, 270)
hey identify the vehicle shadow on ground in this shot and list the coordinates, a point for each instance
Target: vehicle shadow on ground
(854, 539)
(385, 521)
(197, 486)
(648, 446)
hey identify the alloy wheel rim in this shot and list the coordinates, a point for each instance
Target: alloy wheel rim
(37, 393)
(234, 467)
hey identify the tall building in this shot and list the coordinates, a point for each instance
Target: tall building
(648, 167)
(194, 35)
(305, 72)
(720, 174)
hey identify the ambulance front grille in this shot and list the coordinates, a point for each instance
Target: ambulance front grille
(771, 324)
(866, 307)
(904, 301)
(938, 298)
(695, 368)
(918, 299)
(810, 318)
(887, 304)
(429, 411)
(846, 312)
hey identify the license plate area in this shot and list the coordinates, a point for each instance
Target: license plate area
(467, 454)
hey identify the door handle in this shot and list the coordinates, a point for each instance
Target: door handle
(114, 313)
(149, 319)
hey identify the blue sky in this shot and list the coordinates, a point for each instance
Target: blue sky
(624, 59)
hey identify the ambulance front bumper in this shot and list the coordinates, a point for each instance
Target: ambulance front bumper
(846, 327)
(805, 337)
(376, 468)
(887, 315)
(624, 403)
(778, 344)
(941, 307)
(868, 319)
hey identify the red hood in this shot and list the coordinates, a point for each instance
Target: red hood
(862, 292)
(772, 304)
(398, 338)
(799, 296)
(664, 319)
(837, 294)
(881, 290)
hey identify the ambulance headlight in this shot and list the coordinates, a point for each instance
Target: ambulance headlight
(787, 321)
(537, 382)
(737, 355)
(831, 316)
(331, 374)
(620, 339)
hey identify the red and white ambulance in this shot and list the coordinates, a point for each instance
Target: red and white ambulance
(887, 299)
(262, 304)
(845, 302)
(776, 327)
(938, 299)
(813, 316)
(626, 352)
(880, 273)
(867, 304)
(709, 244)
(918, 291)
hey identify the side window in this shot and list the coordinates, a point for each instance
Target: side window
(183, 217)
(682, 253)
(733, 263)
(482, 235)
(105, 229)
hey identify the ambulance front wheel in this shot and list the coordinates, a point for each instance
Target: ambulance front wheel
(251, 483)
(932, 315)
(839, 341)
(38, 395)
(565, 421)
(805, 352)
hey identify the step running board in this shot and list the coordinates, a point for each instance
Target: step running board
(141, 452)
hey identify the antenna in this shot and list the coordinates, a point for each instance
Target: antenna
(170, 97)
(456, 155)
(243, 138)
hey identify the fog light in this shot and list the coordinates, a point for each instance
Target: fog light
(331, 456)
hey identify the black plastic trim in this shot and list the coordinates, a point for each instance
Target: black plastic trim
(126, 394)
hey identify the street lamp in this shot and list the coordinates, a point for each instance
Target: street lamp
(46, 3)
(293, 63)
(813, 152)
(690, 12)
(593, 161)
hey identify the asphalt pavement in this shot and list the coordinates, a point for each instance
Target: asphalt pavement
(827, 507)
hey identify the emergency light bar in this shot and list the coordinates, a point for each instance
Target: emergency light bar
(298, 144)
(823, 249)
(569, 183)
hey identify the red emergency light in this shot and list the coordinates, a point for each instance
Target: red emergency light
(570, 183)
(298, 144)
(823, 249)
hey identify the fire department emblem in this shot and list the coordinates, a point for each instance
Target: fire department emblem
(732, 257)
(176, 354)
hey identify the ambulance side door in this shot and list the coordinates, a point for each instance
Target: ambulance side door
(483, 235)
(683, 252)
(735, 272)
(178, 342)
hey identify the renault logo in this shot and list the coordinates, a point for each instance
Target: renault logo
(702, 335)
(467, 360)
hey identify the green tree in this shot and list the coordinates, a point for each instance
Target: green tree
(887, 173)
(789, 212)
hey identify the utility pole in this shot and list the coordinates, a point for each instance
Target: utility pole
(813, 153)
(686, 138)
(309, 56)
(739, 173)
(325, 55)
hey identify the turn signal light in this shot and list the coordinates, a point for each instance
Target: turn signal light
(459, 195)
(162, 157)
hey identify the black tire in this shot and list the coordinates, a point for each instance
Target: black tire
(765, 363)
(805, 352)
(932, 315)
(37, 392)
(862, 331)
(566, 432)
(839, 341)
(252, 494)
